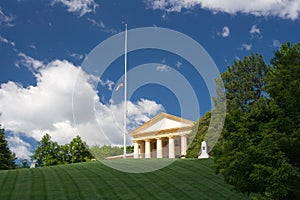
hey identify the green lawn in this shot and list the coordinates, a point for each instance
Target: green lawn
(183, 179)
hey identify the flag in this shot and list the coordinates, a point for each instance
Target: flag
(119, 86)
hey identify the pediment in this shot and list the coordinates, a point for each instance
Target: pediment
(161, 122)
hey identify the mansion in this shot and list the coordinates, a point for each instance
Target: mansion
(164, 136)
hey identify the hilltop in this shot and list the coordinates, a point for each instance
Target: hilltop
(183, 179)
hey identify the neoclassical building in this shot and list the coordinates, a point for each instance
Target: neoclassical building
(164, 136)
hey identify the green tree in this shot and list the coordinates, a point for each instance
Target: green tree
(79, 150)
(46, 153)
(197, 136)
(259, 148)
(24, 164)
(129, 149)
(64, 155)
(284, 89)
(105, 151)
(7, 158)
(239, 154)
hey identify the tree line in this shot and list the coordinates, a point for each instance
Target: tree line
(49, 152)
(258, 151)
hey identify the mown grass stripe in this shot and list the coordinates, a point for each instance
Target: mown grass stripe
(155, 184)
(106, 190)
(22, 185)
(183, 179)
(109, 177)
(210, 185)
(13, 181)
(3, 178)
(141, 188)
(152, 185)
(214, 183)
(38, 185)
(75, 192)
(9, 184)
(89, 188)
(54, 183)
(165, 185)
(65, 181)
(173, 181)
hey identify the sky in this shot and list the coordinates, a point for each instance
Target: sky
(47, 47)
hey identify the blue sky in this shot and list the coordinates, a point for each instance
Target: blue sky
(44, 43)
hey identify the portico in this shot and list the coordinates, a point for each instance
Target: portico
(164, 136)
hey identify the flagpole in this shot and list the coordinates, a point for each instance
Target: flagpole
(125, 92)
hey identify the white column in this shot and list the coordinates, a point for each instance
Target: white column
(171, 147)
(147, 149)
(135, 149)
(183, 144)
(159, 153)
(142, 149)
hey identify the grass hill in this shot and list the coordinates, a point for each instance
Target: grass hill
(183, 179)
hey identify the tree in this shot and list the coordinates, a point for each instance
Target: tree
(239, 155)
(105, 151)
(24, 164)
(46, 153)
(259, 148)
(7, 158)
(129, 149)
(283, 87)
(197, 136)
(79, 150)
(64, 155)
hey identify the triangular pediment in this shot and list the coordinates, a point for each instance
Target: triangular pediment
(161, 122)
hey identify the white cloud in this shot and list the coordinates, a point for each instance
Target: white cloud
(32, 46)
(77, 56)
(286, 9)
(29, 62)
(18, 146)
(107, 83)
(254, 29)
(50, 105)
(178, 64)
(225, 31)
(162, 68)
(246, 47)
(6, 20)
(101, 25)
(78, 6)
(6, 41)
(276, 43)
(96, 23)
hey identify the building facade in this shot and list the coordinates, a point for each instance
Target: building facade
(164, 136)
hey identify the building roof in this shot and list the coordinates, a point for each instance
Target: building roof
(163, 123)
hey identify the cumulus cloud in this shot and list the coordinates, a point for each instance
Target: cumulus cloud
(21, 148)
(162, 68)
(6, 20)
(78, 6)
(286, 9)
(254, 29)
(225, 32)
(51, 106)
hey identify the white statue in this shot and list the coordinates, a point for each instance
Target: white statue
(204, 153)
